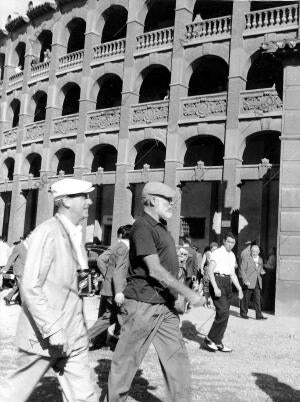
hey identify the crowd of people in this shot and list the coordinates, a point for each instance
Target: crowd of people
(147, 282)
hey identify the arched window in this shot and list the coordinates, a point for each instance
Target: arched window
(155, 85)
(105, 156)
(2, 64)
(210, 75)
(40, 108)
(71, 101)
(204, 10)
(15, 106)
(161, 15)
(66, 161)
(265, 144)
(76, 29)
(115, 26)
(109, 94)
(9, 165)
(35, 161)
(205, 148)
(265, 72)
(45, 38)
(20, 50)
(150, 152)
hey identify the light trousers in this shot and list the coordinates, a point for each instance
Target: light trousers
(144, 324)
(74, 374)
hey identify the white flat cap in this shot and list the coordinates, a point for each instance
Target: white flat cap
(65, 187)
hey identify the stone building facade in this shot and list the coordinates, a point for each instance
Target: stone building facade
(120, 92)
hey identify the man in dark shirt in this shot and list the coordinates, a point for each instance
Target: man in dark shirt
(151, 291)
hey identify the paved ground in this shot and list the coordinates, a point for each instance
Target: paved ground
(265, 364)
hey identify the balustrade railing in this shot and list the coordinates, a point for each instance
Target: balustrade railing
(35, 131)
(10, 136)
(203, 106)
(272, 17)
(104, 119)
(71, 60)
(66, 125)
(39, 69)
(150, 113)
(157, 38)
(210, 27)
(109, 49)
(260, 101)
(15, 79)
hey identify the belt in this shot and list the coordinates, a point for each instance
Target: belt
(223, 275)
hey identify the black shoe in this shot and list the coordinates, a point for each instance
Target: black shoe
(261, 318)
(244, 316)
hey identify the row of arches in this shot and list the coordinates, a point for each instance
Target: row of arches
(158, 15)
(209, 75)
(205, 148)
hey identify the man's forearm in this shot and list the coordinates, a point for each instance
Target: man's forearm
(211, 275)
(169, 281)
(236, 282)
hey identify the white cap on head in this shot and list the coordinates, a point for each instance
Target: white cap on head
(63, 188)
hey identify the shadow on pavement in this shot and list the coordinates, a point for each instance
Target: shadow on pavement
(277, 391)
(47, 390)
(190, 332)
(139, 387)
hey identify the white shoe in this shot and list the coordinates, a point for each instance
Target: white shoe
(210, 344)
(223, 348)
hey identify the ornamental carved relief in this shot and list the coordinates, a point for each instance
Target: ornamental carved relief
(10, 137)
(66, 126)
(204, 107)
(150, 114)
(104, 119)
(35, 132)
(266, 102)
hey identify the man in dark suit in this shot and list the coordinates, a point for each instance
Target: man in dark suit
(250, 271)
(17, 261)
(113, 265)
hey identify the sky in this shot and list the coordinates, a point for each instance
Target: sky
(14, 6)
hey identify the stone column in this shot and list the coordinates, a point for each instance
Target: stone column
(288, 253)
(18, 200)
(86, 104)
(53, 109)
(236, 83)
(123, 195)
(183, 16)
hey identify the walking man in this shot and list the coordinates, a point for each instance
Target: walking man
(150, 293)
(221, 271)
(51, 330)
(114, 270)
(251, 271)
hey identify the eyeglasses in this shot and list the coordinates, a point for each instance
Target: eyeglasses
(170, 200)
(84, 195)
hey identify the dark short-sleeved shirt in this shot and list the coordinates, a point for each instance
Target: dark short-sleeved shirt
(149, 237)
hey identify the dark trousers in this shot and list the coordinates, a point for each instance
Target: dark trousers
(222, 305)
(109, 316)
(256, 292)
(144, 324)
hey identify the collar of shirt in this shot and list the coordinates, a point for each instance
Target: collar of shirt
(75, 233)
(152, 221)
